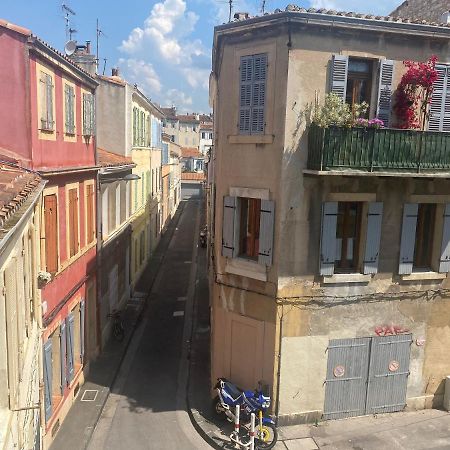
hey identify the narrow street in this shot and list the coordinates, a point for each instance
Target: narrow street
(147, 406)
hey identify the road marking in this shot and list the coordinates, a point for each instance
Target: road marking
(178, 313)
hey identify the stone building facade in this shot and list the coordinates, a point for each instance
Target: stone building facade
(431, 10)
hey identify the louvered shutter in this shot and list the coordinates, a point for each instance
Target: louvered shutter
(266, 224)
(245, 94)
(67, 106)
(438, 100)
(339, 70)
(374, 219)
(444, 262)
(228, 226)
(48, 379)
(63, 356)
(43, 99)
(51, 232)
(85, 114)
(21, 321)
(92, 117)
(72, 110)
(328, 238)
(446, 99)
(385, 91)
(49, 95)
(408, 239)
(70, 359)
(82, 328)
(258, 93)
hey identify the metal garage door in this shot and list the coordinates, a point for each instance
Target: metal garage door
(366, 375)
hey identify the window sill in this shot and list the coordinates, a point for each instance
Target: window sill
(417, 276)
(245, 268)
(347, 278)
(251, 139)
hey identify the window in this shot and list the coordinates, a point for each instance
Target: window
(46, 101)
(88, 114)
(252, 95)
(69, 99)
(73, 222)
(90, 213)
(426, 216)
(249, 227)
(359, 81)
(51, 232)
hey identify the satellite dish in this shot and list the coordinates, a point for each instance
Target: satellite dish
(70, 47)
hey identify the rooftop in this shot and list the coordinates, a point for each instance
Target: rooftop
(190, 152)
(109, 159)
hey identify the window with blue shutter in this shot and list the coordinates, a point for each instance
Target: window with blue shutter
(328, 238)
(267, 216)
(408, 239)
(63, 356)
(228, 227)
(373, 237)
(385, 91)
(339, 70)
(252, 93)
(70, 348)
(444, 262)
(439, 119)
(48, 372)
(82, 329)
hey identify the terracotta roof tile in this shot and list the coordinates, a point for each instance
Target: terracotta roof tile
(190, 152)
(109, 159)
(18, 29)
(192, 176)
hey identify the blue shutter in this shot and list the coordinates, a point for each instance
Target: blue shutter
(70, 359)
(374, 219)
(437, 104)
(339, 70)
(385, 91)
(328, 238)
(228, 226)
(266, 232)
(48, 379)
(408, 240)
(82, 328)
(444, 262)
(62, 355)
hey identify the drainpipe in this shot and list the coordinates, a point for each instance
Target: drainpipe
(277, 406)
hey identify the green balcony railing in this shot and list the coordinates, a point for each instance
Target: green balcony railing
(373, 150)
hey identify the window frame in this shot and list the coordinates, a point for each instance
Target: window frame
(69, 187)
(89, 184)
(49, 192)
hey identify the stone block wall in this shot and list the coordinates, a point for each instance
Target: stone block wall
(429, 10)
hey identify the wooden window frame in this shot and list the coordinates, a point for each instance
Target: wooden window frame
(69, 135)
(423, 257)
(47, 192)
(68, 188)
(45, 133)
(249, 243)
(89, 184)
(369, 77)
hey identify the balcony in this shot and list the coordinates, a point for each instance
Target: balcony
(370, 150)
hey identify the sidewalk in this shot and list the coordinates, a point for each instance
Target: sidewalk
(415, 430)
(79, 424)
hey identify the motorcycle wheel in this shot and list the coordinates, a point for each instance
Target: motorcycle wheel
(267, 437)
(218, 410)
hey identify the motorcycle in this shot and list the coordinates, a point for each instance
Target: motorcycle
(229, 395)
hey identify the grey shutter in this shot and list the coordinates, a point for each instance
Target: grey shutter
(438, 97)
(266, 224)
(245, 93)
(67, 106)
(70, 360)
(408, 240)
(374, 219)
(82, 328)
(228, 226)
(63, 355)
(258, 93)
(92, 115)
(385, 91)
(48, 379)
(339, 69)
(444, 262)
(328, 238)
(49, 95)
(84, 114)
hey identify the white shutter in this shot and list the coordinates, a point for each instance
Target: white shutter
(438, 100)
(385, 91)
(339, 70)
(444, 262)
(228, 227)
(408, 240)
(328, 238)
(446, 99)
(266, 225)
(374, 219)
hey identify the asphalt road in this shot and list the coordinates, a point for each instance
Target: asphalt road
(147, 406)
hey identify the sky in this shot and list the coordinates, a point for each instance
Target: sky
(163, 46)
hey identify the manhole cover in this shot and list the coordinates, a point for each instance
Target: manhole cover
(89, 395)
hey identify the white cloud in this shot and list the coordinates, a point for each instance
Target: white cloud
(178, 98)
(143, 73)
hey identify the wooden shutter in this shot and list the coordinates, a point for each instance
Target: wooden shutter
(385, 91)
(266, 226)
(374, 220)
(245, 94)
(408, 239)
(438, 100)
(51, 233)
(90, 216)
(444, 262)
(48, 379)
(70, 358)
(63, 356)
(67, 107)
(21, 321)
(82, 328)
(73, 222)
(258, 93)
(328, 238)
(339, 70)
(49, 98)
(228, 227)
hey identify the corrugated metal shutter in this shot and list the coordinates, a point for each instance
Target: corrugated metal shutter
(339, 70)
(228, 228)
(245, 89)
(258, 93)
(63, 355)
(70, 358)
(444, 262)
(328, 238)
(48, 379)
(266, 232)
(408, 239)
(438, 100)
(385, 91)
(374, 220)
(82, 328)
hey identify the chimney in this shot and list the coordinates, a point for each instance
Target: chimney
(241, 16)
(446, 18)
(115, 72)
(88, 47)
(82, 56)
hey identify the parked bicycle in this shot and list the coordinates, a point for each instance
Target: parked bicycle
(118, 329)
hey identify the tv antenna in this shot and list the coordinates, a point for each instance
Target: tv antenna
(263, 6)
(99, 33)
(230, 3)
(68, 11)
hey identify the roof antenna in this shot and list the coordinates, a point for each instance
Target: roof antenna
(97, 59)
(230, 2)
(104, 66)
(67, 10)
(263, 6)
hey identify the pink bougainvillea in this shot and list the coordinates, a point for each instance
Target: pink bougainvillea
(414, 93)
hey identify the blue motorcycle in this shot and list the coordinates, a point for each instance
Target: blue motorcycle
(229, 395)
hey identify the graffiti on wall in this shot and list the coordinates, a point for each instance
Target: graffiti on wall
(390, 330)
